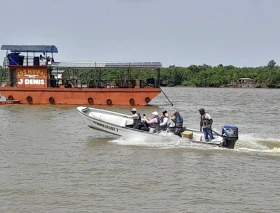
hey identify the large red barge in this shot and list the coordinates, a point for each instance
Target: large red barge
(36, 78)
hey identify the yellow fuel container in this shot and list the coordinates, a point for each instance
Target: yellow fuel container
(187, 134)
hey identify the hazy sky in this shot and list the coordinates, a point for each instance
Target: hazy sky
(174, 32)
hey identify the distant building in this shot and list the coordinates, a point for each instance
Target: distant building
(243, 82)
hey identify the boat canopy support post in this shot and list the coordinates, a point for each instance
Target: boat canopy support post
(2, 70)
(99, 74)
(129, 72)
(158, 77)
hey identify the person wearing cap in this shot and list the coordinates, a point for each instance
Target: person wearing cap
(136, 118)
(206, 124)
(178, 121)
(164, 121)
(153, 123)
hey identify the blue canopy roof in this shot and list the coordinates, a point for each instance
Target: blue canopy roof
(30, 48)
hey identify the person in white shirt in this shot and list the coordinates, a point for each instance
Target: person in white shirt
(206, 124)
(136, 118)
(164, 121)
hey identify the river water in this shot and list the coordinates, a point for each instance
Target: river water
(50, 161)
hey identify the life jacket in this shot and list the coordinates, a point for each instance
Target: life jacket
(164, 127)
(155, 125)
(137, 121)
(179, 121)
(204, 121)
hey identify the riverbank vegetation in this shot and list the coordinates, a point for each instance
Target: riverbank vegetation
(194, 75)
(221, 76)
(208, 76)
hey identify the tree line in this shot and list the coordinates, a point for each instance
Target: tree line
(193, 75)
(222, 76)
(204, 75)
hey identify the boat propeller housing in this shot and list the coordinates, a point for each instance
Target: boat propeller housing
(230, 135)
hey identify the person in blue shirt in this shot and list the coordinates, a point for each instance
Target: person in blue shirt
(178, 121)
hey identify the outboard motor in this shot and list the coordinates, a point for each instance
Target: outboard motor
(230, 135)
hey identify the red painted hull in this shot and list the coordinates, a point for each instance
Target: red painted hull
(82, 96)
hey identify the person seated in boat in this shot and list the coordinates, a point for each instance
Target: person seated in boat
(136, 119)
(143, 125)
(164, 121)
(153, 123)
(178, 123)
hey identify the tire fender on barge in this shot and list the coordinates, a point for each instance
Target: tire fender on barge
(51, 100)
(147, 99)
(90, 100)
(109, 102)
(132, 101)
(29, 99)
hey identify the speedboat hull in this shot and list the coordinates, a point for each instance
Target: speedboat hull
(112, 122)
(4, 102)
(117, 124)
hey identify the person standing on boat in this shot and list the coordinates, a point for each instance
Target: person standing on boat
(206, 124)
(153, 123)
(164, 121)
(136, 119)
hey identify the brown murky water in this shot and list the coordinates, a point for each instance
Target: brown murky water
(50, 161)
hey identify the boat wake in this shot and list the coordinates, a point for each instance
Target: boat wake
(252, 143)
(246, 143)
(165, 143)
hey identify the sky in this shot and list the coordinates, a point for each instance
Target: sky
(174, 32)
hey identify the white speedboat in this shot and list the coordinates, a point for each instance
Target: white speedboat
(120, 124)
